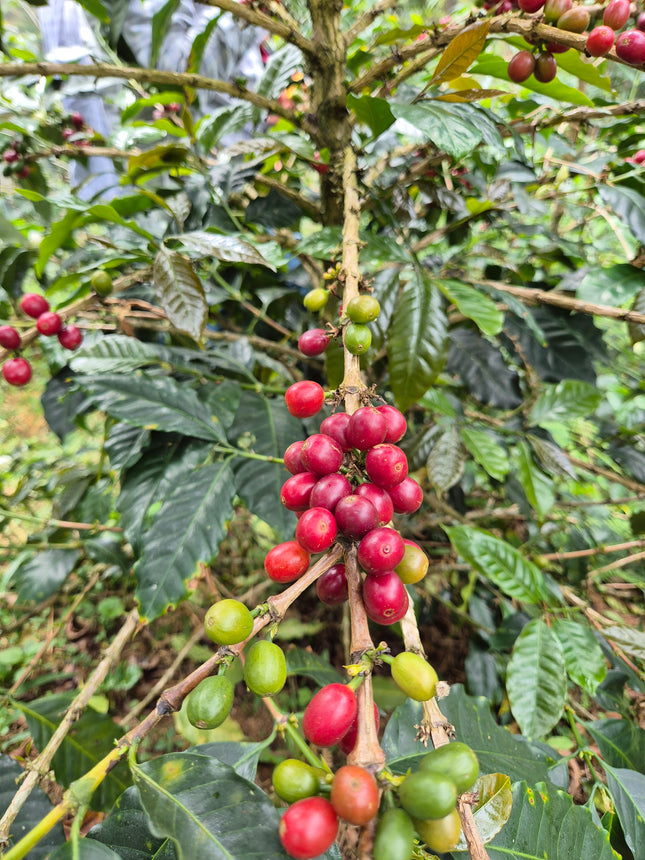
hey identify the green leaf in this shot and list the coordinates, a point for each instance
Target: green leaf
(153, 402)
(417, 340)
(563, 402)
(242, 756)
(207, 809)
(228, 249)
(40, 576)
(180, 292)
(537, 486)
(572, 62)
(264, 427)
(612, 285)
(440, 123)
(627, 789)
(84, 849)
(630, 640)
(372, 111)
(536, 680)
(35, 808)
(445, 464)
(311, 665)
(637, 330)
(583, 655)
(277, 74)
(545, 824)
(91, 737)
(119, 354)
(501, 563)
(474, 305)
(160, 23)
(460, 53)
(497, 750)
(486, 451)
(628, 204)
(621, 743)
(552, 457)
(186, 531)
(127, 831)
(493, 807)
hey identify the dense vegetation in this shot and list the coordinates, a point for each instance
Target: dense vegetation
(496, 213)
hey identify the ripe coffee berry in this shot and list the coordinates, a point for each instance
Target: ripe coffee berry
(616, 14)
(521, 66)
(9, 337)
(286, 561)
(386, 600)
(386, 465)
(395, 423)
(49, 323)
(34, 304)
(545, 67)
(313, 342)
(600, 41)
(331, 586)
(530, 6)
(292, 459)
(366, 428)
(354, 794)
(640, 22)
(335, 426)
(329, 490)
(630, 47)
(70, 337)
(381, 500)
(304, 399)
(329, 715)
(321, 455)
(406, 496)
(355, 516)
(308, 828)
(316, 530)
(380, 550)
(16, 371)
(296, 491)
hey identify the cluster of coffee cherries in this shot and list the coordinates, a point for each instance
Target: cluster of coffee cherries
(171, 110)
(630, 44)
(17, 370)
(75, 130)
(14, 159)
(354, 319)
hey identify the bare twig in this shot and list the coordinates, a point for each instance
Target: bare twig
(368, 18)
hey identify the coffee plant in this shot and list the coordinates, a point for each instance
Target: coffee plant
(344, 361)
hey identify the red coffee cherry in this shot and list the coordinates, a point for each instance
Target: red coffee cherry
(321, 455)
(70, 337)
(386, 465)
(520, 68)
(616, 14)
(49, 323)
(381, 500)
(16, 371)
(292, 459)
(296, 491)
(386, 600)
(545, 67)
(304, 399)
(380, 551)
(308, 828)
(34, 304)
(316, 530)
(355, 516)
(9, 337)
(77, 120)
(329, 715)
(407, 496)
(600, 41)
(640, 22)
(396, 425)
(335, 426)
(313, 342)
(366, 428)
(331, 586)
(354, 794)
(530, 6)
(286, 562)
(348, 740)
(329, 490)
(630, 47)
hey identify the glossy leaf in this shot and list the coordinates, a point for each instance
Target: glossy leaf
(537, 486)
(536, 681)
(311, 665)
(84, 849)
(583, 655)
(461, 52)
(126, 830)
(486, 451)
(35, 808)
(552, 457)
(569, 399)
(493, 807)
(500, 562)
(186, 532)
(611, 285)
(445, 464)
(90, 738)
(180, 292)
(627, 788)
(621, 743)
(416, 346)
(372, 111)
(482, 369)
(40, 576)
(229, 249)
(474, 305)
(119, 353)
(124, 445)
(632, 641)
(628, 204)
(439, 123)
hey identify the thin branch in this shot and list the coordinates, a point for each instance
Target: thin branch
(162, 78)
(368, 18)
(580, 115)
(352, 380)
(602, 549)
(312, 209)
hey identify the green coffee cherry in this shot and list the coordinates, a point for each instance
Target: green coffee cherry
(358, 338)
(316, 299)
(363, 309)
(228, 622)
(265, 669)
(414, 676)
(210, 702)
